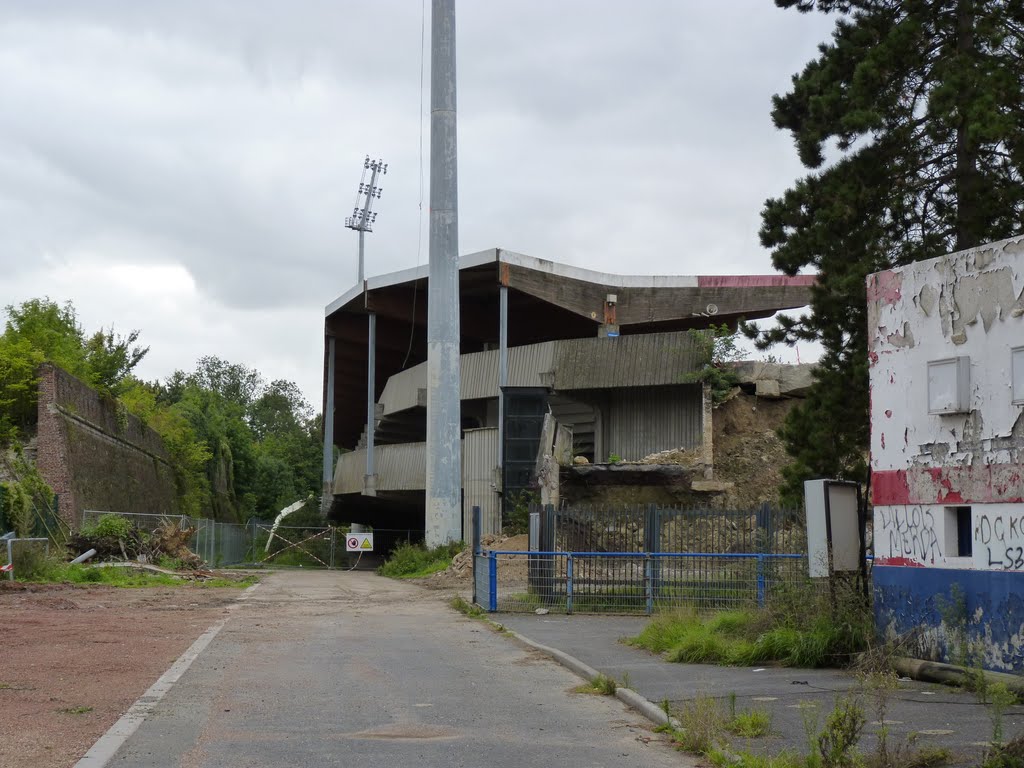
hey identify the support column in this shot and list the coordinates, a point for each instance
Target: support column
(444, 450)
(370, 481)
(502, 378)
(328, 485)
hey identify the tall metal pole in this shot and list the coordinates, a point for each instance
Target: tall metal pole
(502, 374)
(362, 272)
(328, 496)
(444, 452)
(370, 481)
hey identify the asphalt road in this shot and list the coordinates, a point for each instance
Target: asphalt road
(350, 669)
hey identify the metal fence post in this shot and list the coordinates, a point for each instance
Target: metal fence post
(760, 580)
(649, 582)
(568, 583)
(492, 581)
(476, 548)
(333, 539)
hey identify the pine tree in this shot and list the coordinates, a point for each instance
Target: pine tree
(911, 123)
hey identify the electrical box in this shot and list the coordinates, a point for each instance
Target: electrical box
(833, 526)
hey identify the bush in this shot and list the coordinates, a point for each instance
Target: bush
(412, 561)
(113, 526)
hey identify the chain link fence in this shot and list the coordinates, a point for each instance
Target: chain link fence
(222, 544)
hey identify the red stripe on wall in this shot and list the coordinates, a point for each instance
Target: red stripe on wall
(989, 484)
(755, 281)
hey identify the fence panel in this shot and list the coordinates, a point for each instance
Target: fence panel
(654, 528)
(630, 582)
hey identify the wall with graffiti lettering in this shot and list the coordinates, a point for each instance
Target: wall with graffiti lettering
(946, 369)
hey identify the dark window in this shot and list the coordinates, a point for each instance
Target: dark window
(524, 419)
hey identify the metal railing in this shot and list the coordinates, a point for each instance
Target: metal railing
(631, 582)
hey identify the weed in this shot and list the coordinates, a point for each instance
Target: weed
(727, 759)
(837, 742)
(413, 561)
(1009, 755)
(604, 685)
(75, 710)
(751, 724)
(926, 757)
(465, 607)
(999, 698)
(701, 725)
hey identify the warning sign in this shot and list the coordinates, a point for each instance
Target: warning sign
(359, 542)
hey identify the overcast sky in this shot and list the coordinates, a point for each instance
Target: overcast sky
(185, 168)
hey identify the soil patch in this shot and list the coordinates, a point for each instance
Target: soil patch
(74, 658)
(459, 574)
(748, 452)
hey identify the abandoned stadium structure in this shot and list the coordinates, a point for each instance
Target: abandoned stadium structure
(606, 355)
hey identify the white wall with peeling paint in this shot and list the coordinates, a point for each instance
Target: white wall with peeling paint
(969, 304)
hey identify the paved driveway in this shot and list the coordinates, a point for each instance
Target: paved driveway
(350, 669)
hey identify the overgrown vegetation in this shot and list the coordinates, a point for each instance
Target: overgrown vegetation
(716, 348)
(906, 123)
(239, 447)
(32, 564)
(413, 561)
(516, 518)
(800, 628)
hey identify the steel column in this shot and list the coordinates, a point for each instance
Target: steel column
(370, 484)
(329, 430)
(444, 451)
(502, 374)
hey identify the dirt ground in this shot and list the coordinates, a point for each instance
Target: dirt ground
(748, 452)
(74, 658)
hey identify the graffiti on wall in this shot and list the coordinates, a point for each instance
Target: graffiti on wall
(1000, 538)
(910, 532)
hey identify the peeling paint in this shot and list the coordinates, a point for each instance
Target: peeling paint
(904, 338)
(965, 305)
(885, 286)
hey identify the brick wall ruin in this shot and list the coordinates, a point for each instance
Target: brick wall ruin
(97, 456)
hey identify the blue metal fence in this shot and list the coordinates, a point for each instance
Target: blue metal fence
(631, 582)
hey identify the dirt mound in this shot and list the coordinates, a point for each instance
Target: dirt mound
(460, 572)
(748, 452)
(679, 456)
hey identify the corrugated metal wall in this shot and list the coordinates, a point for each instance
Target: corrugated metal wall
(400, 467)
(644, 420)
(479, 458)
(652, 359)
(528, 366)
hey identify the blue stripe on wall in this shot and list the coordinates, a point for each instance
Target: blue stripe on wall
(959, 616)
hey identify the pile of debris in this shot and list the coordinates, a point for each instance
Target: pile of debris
(167, 541)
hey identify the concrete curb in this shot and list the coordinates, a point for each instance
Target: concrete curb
(101, 753)
(627, 696)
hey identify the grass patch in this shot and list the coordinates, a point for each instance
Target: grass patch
(800, 629)
(467, 608)
(414, 561)
(38, 568)
(750, 725)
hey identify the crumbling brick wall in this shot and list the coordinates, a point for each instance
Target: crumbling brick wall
(97, 456)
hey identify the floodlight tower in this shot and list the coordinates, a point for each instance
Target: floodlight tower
(361, 221)
(362, 217)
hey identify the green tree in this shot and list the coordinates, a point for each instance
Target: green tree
(909, 120)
